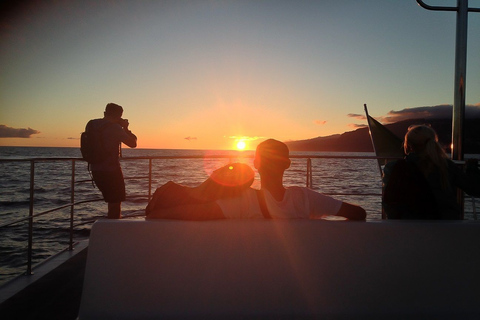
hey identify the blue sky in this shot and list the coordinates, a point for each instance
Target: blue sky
(203, 74)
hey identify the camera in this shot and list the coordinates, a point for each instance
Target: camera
(123, 122)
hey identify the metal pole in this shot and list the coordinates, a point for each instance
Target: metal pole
(458, 117)
(309, 173)
(149, 179)
(458, 113)
(72, 201)
(30, 220)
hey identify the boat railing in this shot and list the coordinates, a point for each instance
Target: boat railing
(73, 182)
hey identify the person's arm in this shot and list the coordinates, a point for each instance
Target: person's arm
(468, 181)
(129, 138)
(352, 212)
(322, 205)
(203, 211)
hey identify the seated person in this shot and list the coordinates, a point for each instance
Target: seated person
(227, 182)
(424, 184)
(272, 201)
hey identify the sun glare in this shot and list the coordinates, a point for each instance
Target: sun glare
(241, 145)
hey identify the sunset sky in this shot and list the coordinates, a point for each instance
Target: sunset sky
(204, 74)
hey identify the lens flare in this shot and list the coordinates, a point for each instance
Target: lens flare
(241, 145)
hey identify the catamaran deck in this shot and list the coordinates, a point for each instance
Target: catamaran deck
(53, 291)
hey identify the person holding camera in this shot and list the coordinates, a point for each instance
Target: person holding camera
(107, 174)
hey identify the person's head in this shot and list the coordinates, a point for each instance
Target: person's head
(421, 139)
(113, 111)
(272, 156)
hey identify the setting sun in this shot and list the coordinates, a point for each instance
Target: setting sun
(241, 145)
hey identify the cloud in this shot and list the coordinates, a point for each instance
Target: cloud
(357, 126)
(190, 138)
(357, 116)
(320, 122)
(245, 138)
(8, 132)
(428, 112)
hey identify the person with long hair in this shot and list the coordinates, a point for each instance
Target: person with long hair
(424, 184)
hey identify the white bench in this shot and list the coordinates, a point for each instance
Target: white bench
(288, 269)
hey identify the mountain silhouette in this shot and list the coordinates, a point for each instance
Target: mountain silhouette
(359, 140)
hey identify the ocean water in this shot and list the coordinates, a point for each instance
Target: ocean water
(53, 180)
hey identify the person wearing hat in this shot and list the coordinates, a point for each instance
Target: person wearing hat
(107, 174)
(273, 200)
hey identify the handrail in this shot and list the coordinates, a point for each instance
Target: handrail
(73, 202)
(309, 173)
(73, 183)
(436, 8)
(7, 224)
(208, 156)
(30, 219)
(442, 8)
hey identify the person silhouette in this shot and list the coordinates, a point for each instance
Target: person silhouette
(424, 184)
(107, 174)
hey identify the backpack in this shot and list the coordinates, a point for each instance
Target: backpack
(91, 143)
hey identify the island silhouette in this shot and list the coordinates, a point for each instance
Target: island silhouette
(359, 139)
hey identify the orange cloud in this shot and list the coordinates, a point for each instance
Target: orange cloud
(356, 125)
(245, 138)
(320, 122)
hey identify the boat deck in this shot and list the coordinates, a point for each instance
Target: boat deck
(52, 292)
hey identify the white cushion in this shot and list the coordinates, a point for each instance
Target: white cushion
(281, 269)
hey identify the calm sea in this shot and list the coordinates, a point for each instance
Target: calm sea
(53, 178)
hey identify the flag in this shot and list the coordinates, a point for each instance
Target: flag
(385, 142)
